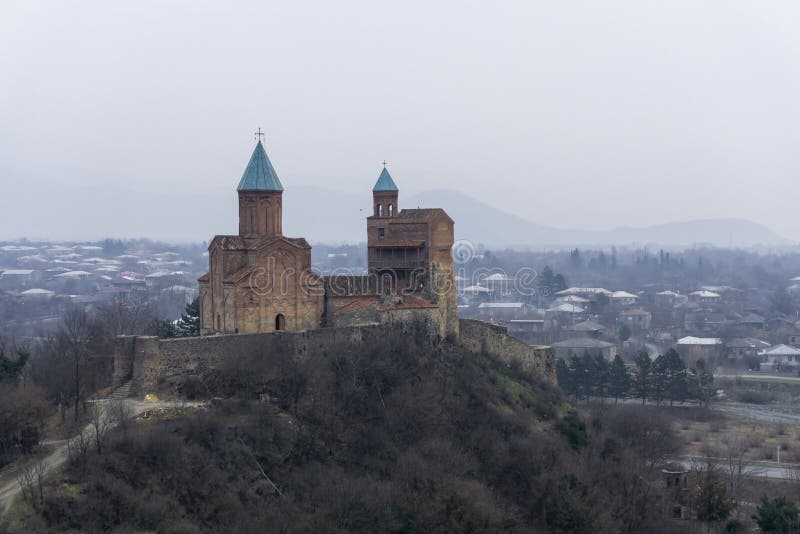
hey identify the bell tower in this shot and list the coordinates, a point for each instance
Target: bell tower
(260, 197)
(384, 195)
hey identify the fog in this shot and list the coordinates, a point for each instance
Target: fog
(582, 115)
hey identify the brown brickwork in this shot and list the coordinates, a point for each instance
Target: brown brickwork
(260, 281)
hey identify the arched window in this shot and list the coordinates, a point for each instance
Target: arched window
(219, 323)
(390, 210)
(252, 220)
(266, 218)
(380, 210)
(280, 322)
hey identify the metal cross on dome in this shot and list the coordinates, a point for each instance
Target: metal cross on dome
(259, 135)
(384, 163)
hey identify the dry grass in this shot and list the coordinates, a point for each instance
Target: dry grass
(761, 439)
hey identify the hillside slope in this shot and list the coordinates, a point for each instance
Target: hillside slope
(399, 436)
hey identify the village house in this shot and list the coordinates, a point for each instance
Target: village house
(586, 292)
(585, 329)
(794, 339)
(668, 299)
(18, 278)
(502, 311)
(753, 321)
(744, 349)
(566, 313)
(705, 298)
(693, 348)
(623, 298)
(780, 358)
(637, 320)
(579, 346)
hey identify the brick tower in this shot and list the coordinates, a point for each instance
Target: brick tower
(414, 246)
(260, 198)
(259, 280)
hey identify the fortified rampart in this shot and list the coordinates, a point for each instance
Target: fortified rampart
(153, 364)
(494, 340)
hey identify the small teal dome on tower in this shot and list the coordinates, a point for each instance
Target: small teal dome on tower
(385, 182)
(259, 174)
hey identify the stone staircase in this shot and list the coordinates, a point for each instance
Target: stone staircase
(122, 392)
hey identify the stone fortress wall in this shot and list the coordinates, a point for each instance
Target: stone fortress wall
(153, 364)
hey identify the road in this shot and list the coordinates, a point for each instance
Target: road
(9, 485)
(759, 377)
(775, 470)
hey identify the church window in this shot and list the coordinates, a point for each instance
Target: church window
(266, 218)
(252, 221)
(280, 322)
(381, 232)
(391, 210)
(380, 210)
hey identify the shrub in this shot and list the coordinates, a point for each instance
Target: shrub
(572, 428)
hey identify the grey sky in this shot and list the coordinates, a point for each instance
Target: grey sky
(572, 114)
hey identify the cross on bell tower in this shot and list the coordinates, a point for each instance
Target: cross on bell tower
(259, 135)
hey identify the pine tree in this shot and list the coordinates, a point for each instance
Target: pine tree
(580, 367)
(777, 515)
(712, 502)
(676, 386)
(619, 379)
(565, 377)
(559, 283)
(11, 369)
(189, 323)
(701, 382)
(601, 377)
(659, 379)
(642, 377)
(546, 281)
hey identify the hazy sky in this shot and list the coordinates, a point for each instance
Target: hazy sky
(573, 114)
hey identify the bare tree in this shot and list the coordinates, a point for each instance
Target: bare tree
(78, 449)
(120, 414)
(75, 336)
(30, 478)
(126, 314)
(100, 422)
(735, 466)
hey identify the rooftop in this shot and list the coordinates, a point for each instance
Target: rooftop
(691, 340)
(385, 182)
(259, 174)
(705, 294)
(583, 343)
(584, 290)
(780, 350)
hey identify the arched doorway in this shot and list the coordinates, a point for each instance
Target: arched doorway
(280, 322)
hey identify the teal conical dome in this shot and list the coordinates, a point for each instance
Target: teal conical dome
(385, 182)
(259, 174)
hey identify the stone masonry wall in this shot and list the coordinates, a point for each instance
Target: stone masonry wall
(494, 340)
(152, 363)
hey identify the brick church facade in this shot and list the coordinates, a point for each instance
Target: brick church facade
(262, 281)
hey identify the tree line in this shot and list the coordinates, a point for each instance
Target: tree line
(666, 378)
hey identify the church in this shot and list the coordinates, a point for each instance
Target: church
(262, 281)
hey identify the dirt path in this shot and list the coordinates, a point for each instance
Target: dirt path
(9, 485)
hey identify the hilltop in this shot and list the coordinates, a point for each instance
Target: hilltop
(398, 436)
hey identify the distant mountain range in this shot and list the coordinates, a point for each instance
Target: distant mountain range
(484, 224)
(60, 212)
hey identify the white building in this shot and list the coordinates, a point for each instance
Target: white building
(780, 358)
